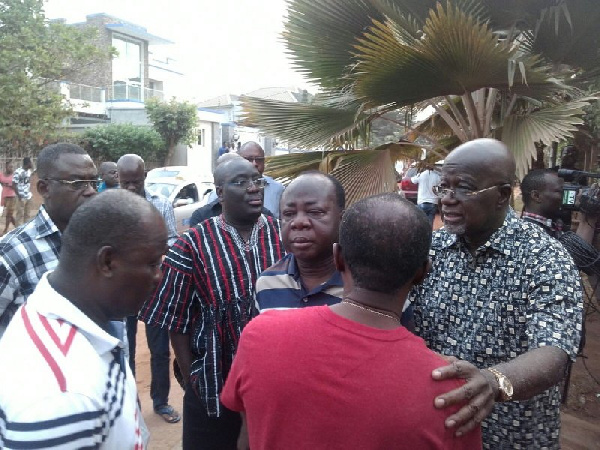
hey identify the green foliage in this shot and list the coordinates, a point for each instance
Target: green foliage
(34, 55)
(110, 142)
(175, 121)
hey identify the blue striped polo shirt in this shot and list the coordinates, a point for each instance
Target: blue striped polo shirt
(280, 287)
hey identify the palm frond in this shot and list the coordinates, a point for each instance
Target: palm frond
(457, 54)
(521, 131)
(361, 172)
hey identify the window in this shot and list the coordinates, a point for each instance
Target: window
(202, 137)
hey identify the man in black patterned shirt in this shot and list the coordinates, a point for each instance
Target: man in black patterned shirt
(502, 297)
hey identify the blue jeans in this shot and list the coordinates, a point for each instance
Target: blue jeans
(158, 343)
(429, 209)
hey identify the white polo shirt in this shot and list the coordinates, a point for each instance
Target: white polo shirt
(64, 383)
(426, 181)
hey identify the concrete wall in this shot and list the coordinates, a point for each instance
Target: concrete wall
(135, 115)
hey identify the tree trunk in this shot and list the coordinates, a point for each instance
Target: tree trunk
(170, 152)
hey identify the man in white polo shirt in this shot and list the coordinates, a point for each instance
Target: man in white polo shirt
(65, 382)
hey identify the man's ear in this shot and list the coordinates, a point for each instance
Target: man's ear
(535, 196)
(219, 191)
(421, 274)
(338, 258)
(42, 188)
(505, 193)
(105, 261)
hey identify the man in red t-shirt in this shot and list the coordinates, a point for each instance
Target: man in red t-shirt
(349, 375)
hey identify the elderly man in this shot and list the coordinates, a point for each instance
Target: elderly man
(253, 152)
(109, 176)
(504, 298)
(62, 345)
(206, 296)
(67, 179)
(132, 174)
(349, 375)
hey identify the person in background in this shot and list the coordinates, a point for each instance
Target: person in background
(63, 344)
(206, 297)
(223, 149)
(9, 196)
(426, 199)
(67, 179)
(349, 376)
(109, 176)
(132, 174)
(504, 298)
(22, 187)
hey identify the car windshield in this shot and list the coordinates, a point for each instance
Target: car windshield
(163, 173)
(164, 189)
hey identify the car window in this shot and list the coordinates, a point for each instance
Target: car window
(163, 189)
(189, 191)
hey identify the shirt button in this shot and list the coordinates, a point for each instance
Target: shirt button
(305, 299)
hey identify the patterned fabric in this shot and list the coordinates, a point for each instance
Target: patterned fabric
(207, 291)
(79, 391)
(548, 223)
(519, 292)
(22, 178)
(26, 253)
(280, 287)
(166, 210)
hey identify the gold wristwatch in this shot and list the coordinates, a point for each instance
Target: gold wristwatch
(505, 387)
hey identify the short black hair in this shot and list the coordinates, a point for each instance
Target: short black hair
(50, 154)
(385, 239)
(534, 181)
(340, 193)
(26, 161)
(110, 218)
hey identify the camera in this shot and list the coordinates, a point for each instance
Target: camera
(589, 202)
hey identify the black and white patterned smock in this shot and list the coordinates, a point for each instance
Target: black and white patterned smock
(519, 292)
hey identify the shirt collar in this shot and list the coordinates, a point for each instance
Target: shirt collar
(545, 221)
(49, 303)
(499, 240)
(44, 226)
(293, 271)
(268, 179)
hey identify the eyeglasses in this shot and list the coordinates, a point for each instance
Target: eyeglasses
(259, 183)
(76, 185)
(458, 192)
(254, 158)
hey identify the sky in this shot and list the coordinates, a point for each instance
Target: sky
(222, 46)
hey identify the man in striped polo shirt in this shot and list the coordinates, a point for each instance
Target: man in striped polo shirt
(65, 382)
(311, 210)
(206, 297)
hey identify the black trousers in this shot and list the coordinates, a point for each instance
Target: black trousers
(158, 343)
(201, 432)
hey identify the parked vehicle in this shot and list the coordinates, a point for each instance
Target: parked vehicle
(408, 188)
(186, 195)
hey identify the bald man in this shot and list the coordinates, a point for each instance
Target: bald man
(66, 382)
(502, 297)
(132, 174)
(109, 176)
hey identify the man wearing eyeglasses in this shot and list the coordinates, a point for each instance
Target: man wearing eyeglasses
(502, 297)
(67, 179)
(206, 297)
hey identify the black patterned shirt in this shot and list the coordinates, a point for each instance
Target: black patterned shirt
(519, 292)
(207, 291)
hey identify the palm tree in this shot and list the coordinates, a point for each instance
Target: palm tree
(512, 69)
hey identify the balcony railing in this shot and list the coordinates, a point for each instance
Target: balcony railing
(132, 91)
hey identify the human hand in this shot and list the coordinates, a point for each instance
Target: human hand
(479, 391)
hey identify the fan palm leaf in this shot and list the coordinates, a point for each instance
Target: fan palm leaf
(552, 123)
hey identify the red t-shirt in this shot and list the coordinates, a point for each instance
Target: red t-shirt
(7, 189)
(311, 379)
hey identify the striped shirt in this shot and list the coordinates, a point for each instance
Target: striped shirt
(26, 253)
(207, 291)
(280, 287)
(65, 384)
